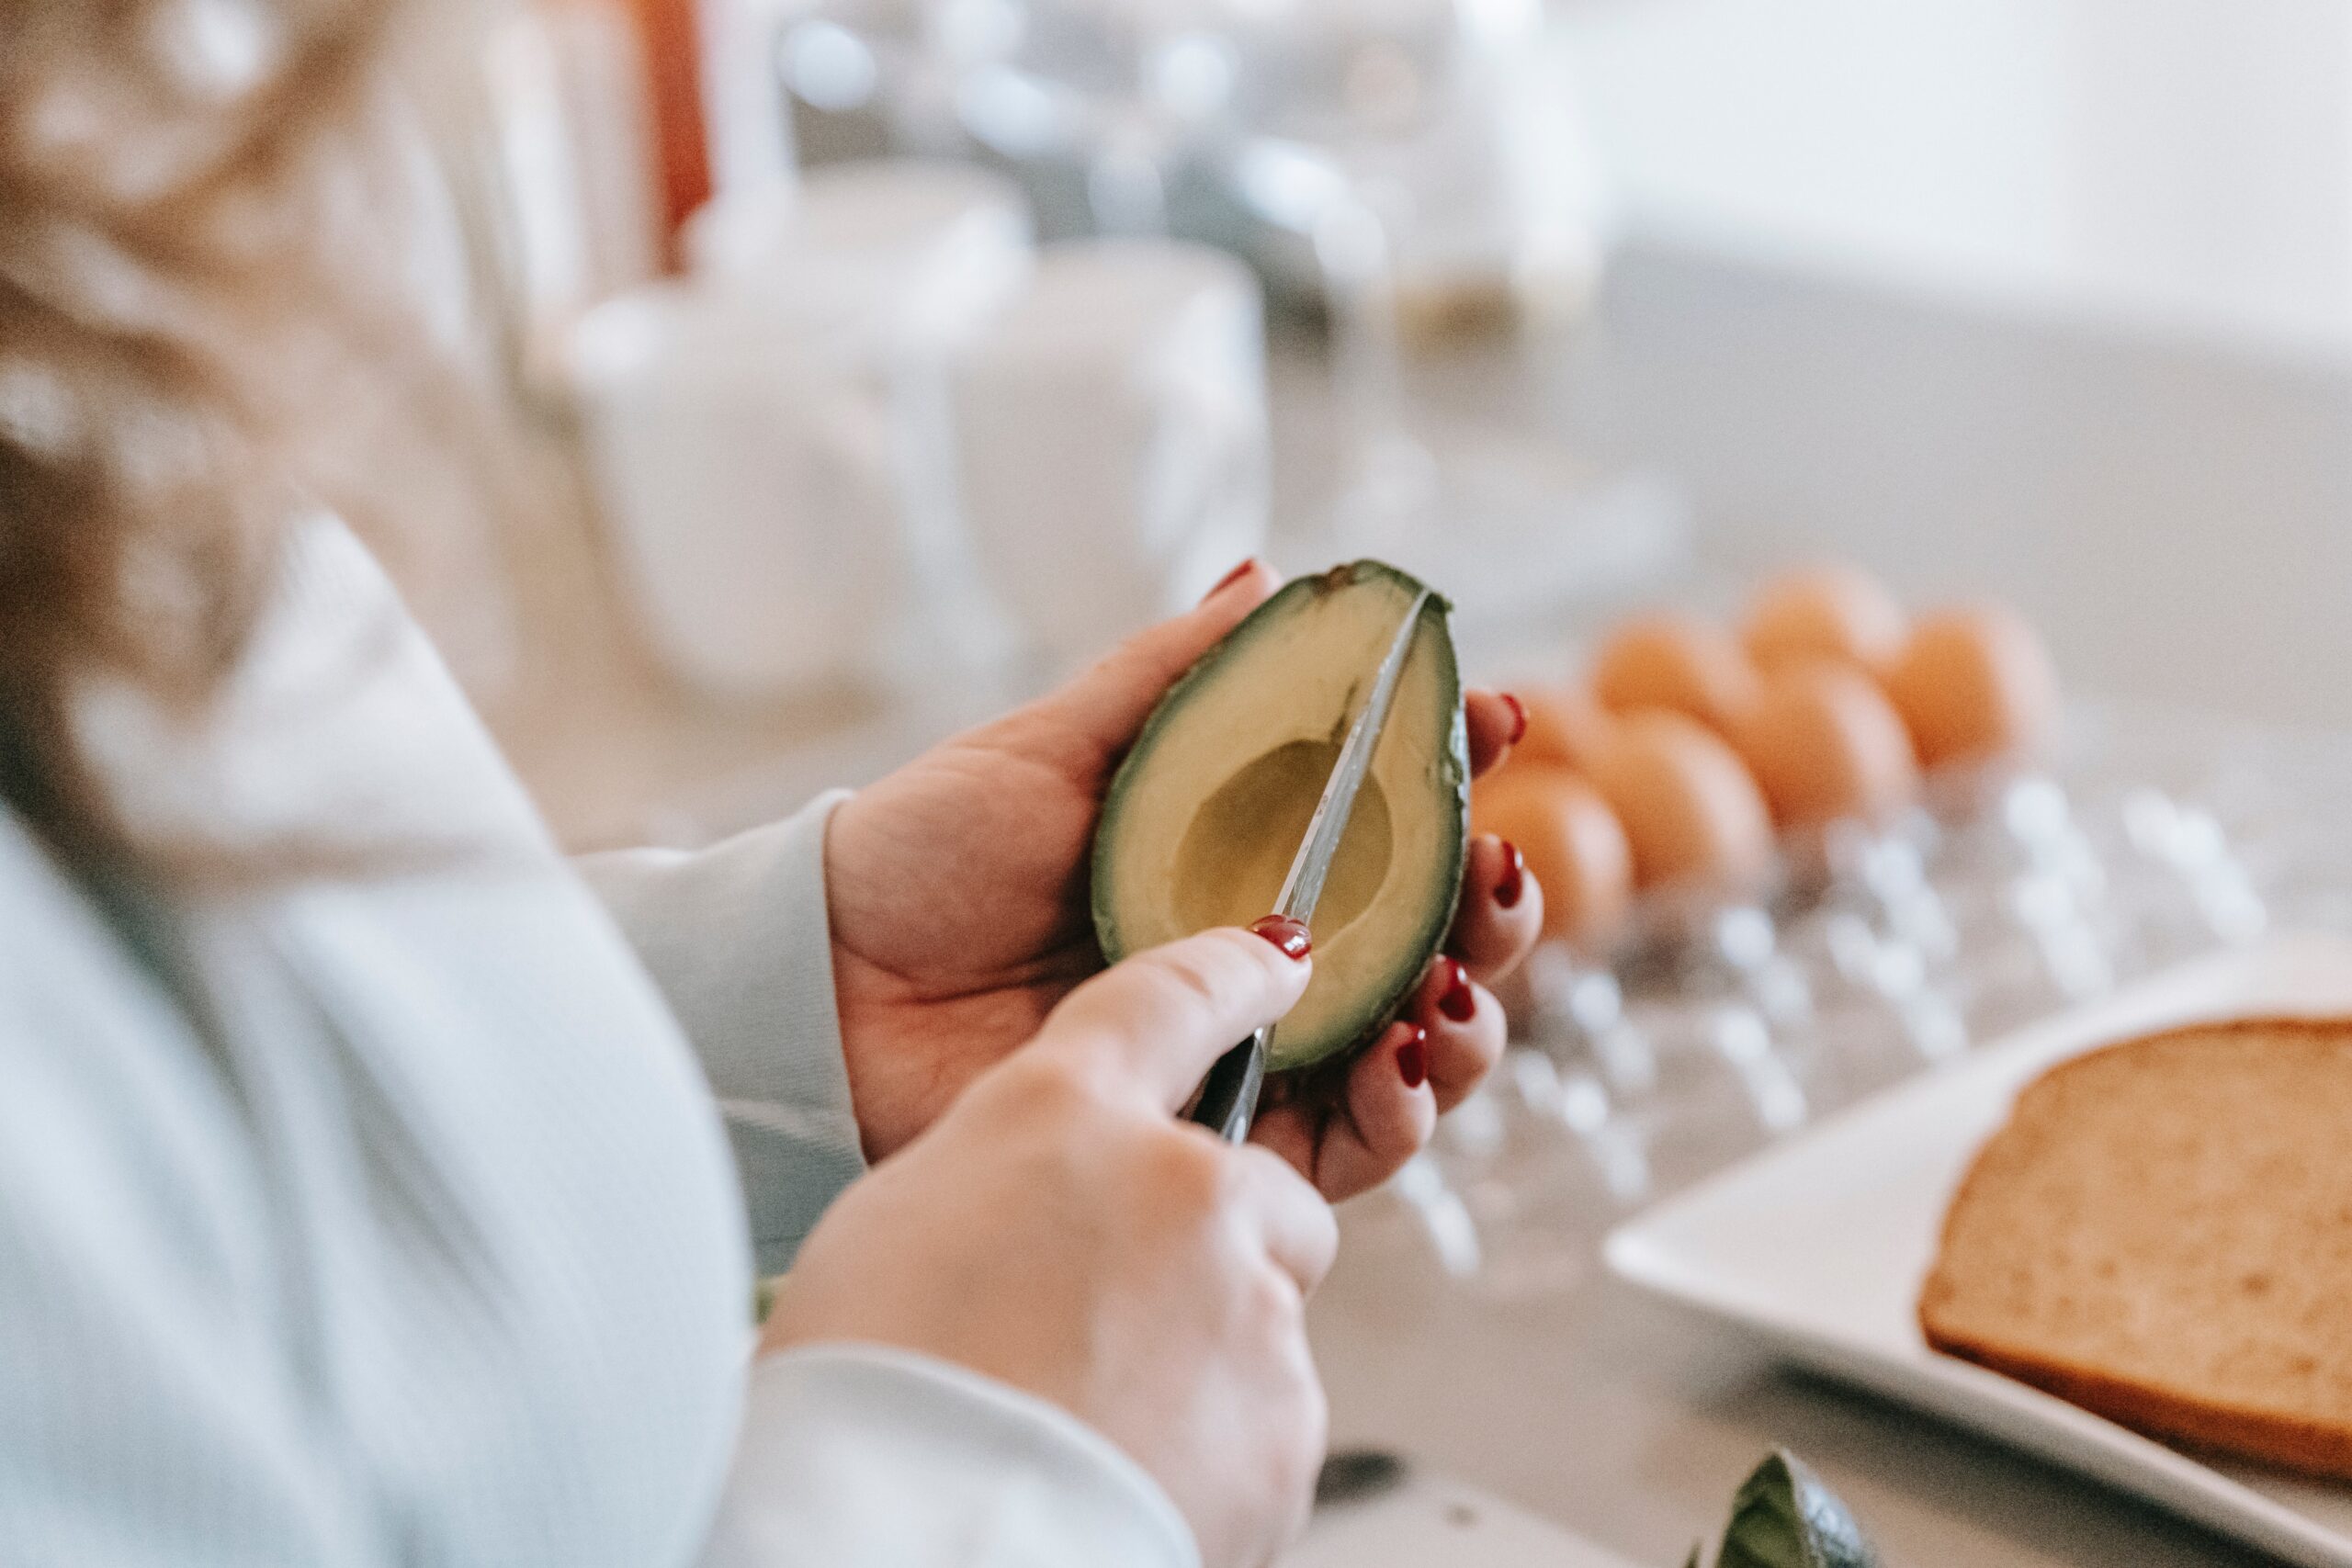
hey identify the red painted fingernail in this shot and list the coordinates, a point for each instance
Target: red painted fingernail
(1518, 719)
(1457, 1001)
(1513, 881)
(1229, 579)
(1286, 933)
(1413, 1058)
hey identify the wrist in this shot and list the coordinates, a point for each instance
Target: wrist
(853, 978)
(886, 1077)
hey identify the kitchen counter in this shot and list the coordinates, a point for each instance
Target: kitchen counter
(1632, 1423)
(2173, 515)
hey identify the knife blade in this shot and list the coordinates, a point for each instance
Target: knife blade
(1228, 1097)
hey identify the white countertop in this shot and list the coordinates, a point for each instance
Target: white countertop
(1633, 1425)
(2174, 517)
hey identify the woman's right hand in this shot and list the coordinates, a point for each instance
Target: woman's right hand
(1060, 1231)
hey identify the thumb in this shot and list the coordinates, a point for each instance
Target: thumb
(1108, 702)
(1153, 1024)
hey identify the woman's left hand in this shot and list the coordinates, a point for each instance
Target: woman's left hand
(959, 896)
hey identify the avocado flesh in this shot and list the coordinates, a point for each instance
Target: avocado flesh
(1204, 816)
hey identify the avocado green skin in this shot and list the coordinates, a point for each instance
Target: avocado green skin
(1785, 1518)
(1454, 760)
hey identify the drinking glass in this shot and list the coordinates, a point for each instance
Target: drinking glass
(1356, 126)
(1124, 87)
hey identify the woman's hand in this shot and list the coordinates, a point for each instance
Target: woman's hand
(959, 898)
(1060, 1231)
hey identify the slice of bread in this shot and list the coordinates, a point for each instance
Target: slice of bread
(2162, 1234)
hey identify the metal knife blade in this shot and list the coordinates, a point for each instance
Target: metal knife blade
(1228, 1097)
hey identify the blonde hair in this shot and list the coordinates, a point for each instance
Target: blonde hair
(196, 298)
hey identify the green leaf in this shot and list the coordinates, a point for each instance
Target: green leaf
(1784, 1517)
(1692, 1561)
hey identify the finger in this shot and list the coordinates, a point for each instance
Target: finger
(1384, 1116)
(1153, 1025)
(1290, 1130)
(1495, 720)
(1466, 1029)
(1501, 911)
(1301, 1235)
(1108, 703)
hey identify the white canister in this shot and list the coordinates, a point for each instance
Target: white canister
(768, 441)
(935, 248)
(1112, 438)
(746, 478)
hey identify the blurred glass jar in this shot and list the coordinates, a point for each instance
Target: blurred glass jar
(1454, 122)
(1129, 114)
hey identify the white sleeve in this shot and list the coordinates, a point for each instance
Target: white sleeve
(857, 1454)
(738, 938)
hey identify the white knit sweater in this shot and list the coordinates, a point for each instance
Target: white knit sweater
(389, 1220)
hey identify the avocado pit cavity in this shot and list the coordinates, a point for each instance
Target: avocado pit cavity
(1232, 860)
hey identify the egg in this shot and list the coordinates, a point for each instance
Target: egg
(1832, 611)
(1972, 685)
(1572, 843)
(1692, 813)
(1564, 726)
(1674, 660)
(1825, 745)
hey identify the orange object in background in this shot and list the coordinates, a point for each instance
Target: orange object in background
(1974, 684)
(1688, 747)
(1827, 746)
(1564, 726)
(1691, 811)
(669, 35)
(1571, 841)
(1673, 661)
(1824, 612)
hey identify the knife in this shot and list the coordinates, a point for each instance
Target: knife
(1228, 1097)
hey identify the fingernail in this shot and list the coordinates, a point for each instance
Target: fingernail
(1457, 1001)
(1230, 578)
(1513, 881)
(1518, 718)
(1413, 1058)
(1286, 933)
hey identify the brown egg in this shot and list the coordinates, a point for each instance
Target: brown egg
(1825, 745)
(1827, 612)
(1565, 725)
(1573, 844)
(1673, 661)
(1972, 685)
(1691, 811)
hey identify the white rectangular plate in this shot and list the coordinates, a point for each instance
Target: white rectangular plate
(1819, 1247)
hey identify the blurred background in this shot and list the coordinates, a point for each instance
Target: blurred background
(882, 359)
(1562, 304)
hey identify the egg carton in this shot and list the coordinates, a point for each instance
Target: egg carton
(2153, 838)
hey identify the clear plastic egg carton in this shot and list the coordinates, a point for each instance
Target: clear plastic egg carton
(2152, 839)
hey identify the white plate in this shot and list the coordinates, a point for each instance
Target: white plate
(1820, 1245)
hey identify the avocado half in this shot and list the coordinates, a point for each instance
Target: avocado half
(1206, 811)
